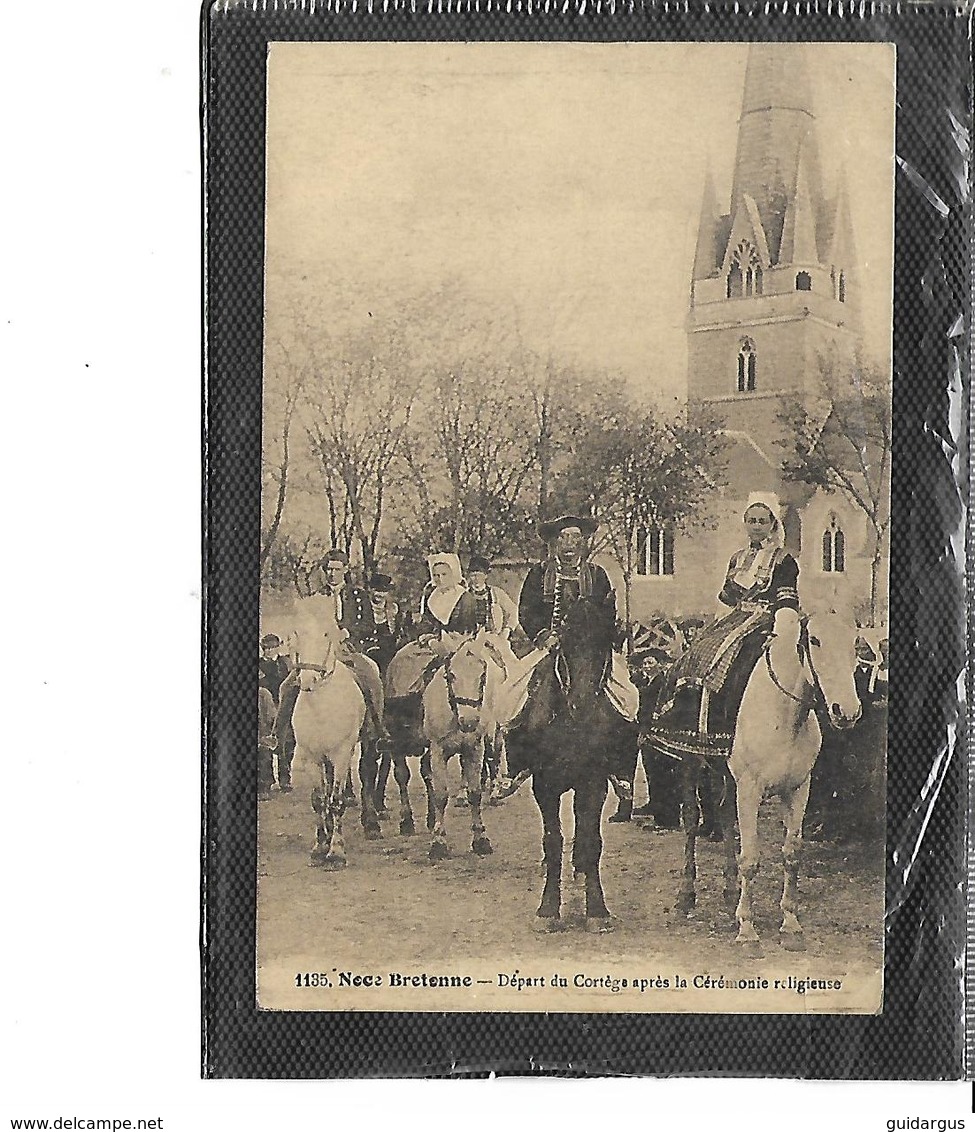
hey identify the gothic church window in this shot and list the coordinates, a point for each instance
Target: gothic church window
(655, 552)
(834, 548)
(746, 366)
(803, 281)
(745, 273)
(734, 282)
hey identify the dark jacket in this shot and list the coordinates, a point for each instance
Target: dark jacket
(778, 592)
(272, 672)
(356, 616)
(541, 588)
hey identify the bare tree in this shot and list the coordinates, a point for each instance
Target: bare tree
(841, 442)
(471, 456)
(290, 375)
(638, 472)
(359, 409)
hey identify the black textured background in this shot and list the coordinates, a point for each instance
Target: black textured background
(921, 1031)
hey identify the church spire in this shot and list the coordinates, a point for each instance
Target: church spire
(799, 237)
(707, 256)
(776, 132)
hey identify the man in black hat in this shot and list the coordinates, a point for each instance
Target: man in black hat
(550, 589)
(483, 606)
(385, 614)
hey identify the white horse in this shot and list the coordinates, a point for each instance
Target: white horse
(777, 741)
(458, 717)
(328, 718)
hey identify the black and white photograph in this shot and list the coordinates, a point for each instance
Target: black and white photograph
(573, 657)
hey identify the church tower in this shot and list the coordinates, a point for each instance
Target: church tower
(772, 287)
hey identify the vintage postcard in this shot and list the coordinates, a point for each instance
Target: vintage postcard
(575, 527)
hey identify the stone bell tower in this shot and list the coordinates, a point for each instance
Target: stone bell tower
(773, 288)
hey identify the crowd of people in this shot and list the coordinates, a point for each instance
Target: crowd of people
(680, 681)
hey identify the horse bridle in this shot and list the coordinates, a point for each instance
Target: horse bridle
(456, 701)
(307, 666)
(804, 650)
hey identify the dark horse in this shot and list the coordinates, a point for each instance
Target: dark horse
(571, 738)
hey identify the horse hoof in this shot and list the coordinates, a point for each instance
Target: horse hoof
(334, 864)
(599, 925)
(439, 851)
(793, 941)
(374, 833)
(318, 857)
(482, 847)
(751, 949)
(684, 905)
(545, 924)
(407, 829)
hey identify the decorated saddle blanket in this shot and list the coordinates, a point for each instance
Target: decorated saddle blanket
(693, 716)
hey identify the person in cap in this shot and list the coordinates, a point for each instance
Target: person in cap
(551, 588)
(274, 668)
(649, 666)
(690, 627)
(385, 618)
(483, 606)
(699, 704)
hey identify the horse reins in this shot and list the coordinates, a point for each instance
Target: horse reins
(456, 701)
(804, 651)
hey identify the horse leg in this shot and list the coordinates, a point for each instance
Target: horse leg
(368, 772)
(588, 849)
(749, 799)
(793, 811)
(728, 817)
(690, 814)
(471, 765)
(489, 767)
(427, 775)
(547, 918)
(320, 804)
(401, 772)
(624, 802)
(382, 777)
(439, 849)
(335, 858)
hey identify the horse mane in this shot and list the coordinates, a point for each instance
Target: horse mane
(586, 628)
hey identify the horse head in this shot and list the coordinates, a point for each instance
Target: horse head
(465, 674)
(314, 643)
(827, 645)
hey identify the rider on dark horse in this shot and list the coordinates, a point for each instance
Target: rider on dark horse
(549, 594)
(578, 727)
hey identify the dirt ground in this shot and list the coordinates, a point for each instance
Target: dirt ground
(392, 910)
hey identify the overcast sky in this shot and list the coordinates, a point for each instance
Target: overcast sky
(556, 187)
